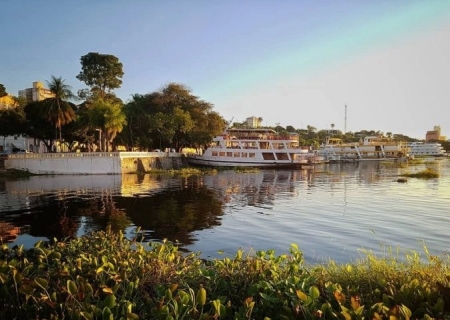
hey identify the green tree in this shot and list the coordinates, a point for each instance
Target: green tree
(185, 119)
(35, 127)
(12, 122)
(2, 91)
(101, 72)
(108, 117)
(57, 110)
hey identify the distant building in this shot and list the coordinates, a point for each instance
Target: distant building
(16, 143)
(435, 135)
(253, 122)
(7, 102)
(36, 93)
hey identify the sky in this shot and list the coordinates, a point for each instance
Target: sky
(294, 63)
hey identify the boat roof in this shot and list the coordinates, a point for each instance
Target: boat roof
(250, 130)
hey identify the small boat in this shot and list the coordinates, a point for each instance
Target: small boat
(370, 148)
(252, 147)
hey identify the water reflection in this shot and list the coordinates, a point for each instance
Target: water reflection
(331, 208)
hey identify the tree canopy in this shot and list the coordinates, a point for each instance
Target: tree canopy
(101, 72)
(58, 110)
(171, 117)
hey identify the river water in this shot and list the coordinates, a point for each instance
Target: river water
(333, 211)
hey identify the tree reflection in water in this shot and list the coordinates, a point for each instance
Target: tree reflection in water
(163, 207)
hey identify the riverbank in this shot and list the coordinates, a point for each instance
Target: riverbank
(105, 275)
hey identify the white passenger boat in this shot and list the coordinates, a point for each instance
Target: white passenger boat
(253, 148)
(370, 148)
(431, 149)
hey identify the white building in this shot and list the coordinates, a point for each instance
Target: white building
(16, 143)
(36, 93)
(254, 122)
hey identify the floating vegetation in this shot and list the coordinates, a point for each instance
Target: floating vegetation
(187, 171)
(14, 173)
(402, 164)
(424, 174)
(246, 169)
(402, 180)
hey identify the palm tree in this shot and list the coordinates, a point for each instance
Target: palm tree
(109, 118)
(58, 110)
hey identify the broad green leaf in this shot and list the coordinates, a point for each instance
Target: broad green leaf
(110, 301)
(41, 282)
(201, 296)
(72, 287)
(301, 295)
(314, 292)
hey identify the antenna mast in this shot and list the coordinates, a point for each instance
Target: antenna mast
(345, 123)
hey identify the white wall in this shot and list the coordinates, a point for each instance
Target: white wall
(66, 163)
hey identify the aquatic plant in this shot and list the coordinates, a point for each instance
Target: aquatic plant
(104, 275)
(424, 174)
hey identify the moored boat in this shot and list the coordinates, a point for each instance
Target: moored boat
(254, 147)
(430, 149)
(370, 148)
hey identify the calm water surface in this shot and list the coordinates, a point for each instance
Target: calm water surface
(333, 211)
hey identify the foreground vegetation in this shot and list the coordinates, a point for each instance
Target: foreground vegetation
(105, 276)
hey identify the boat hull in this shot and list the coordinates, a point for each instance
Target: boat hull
(200, 161)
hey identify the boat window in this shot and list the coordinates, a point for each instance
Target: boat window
(244, 154)
(282, 156)
(268, 156)
(214, 153)
(237, 154)
(251, 155)
(221, 154)
(229, 154)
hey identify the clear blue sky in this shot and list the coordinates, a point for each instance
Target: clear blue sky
(290, 62)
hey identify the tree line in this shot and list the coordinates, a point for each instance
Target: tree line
(172, 117)
(96, 119)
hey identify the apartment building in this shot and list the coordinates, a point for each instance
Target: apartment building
(435, 135)
(36, 93)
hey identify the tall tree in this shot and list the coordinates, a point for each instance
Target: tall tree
(2, 91)
(58, 110)
(101, 72)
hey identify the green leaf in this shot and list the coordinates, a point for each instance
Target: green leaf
(41, 282)
(301, 295)
(72, 287)
(110, 301)
(87, 315)
(107, 314)
(201, 296)
(314, 292)
(17, 276)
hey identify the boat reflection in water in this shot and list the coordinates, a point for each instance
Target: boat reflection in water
(329, 211)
